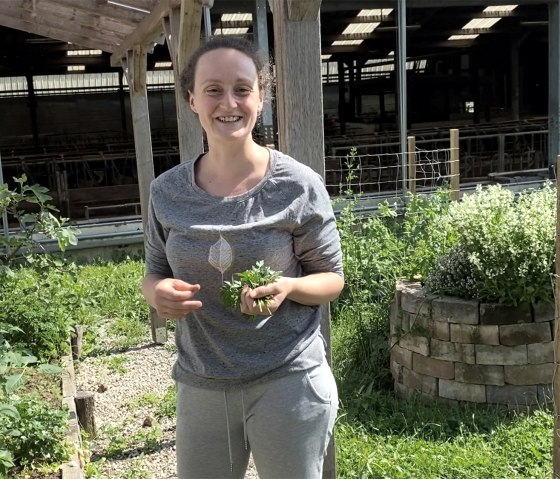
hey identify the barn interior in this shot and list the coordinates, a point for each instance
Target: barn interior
(484, 69)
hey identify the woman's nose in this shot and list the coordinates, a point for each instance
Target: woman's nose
(229, 99)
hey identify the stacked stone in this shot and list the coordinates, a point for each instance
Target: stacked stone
(465, 350)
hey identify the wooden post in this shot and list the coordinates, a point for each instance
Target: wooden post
(76, 341)
(182, 31)
(454, 163)
(412, 164)
(297, 45)
(85, 410)
(135, 67)
(556, 376)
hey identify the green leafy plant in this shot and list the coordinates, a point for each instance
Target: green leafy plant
(26, 424)
(258, 275)
(505, 247)
(29, 207)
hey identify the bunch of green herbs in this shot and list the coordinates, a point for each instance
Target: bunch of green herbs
(258, 275)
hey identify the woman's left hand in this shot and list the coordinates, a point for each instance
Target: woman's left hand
(277, 292)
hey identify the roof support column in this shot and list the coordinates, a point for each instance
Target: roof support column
(135, 66)
(297, 45)
(402, 90)
(182, 32)
(553, 82)
(260, 28)
(135, 69)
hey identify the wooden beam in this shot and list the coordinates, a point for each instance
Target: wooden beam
(299, 93)
(146, 32)
(36, 26)
(303, 10)
(182, 32)
(147, 5)
(135, 65)
(189, 30)
(93, 7)
(74, 18)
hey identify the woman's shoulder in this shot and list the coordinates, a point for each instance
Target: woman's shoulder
(288, 167)
(174, 177)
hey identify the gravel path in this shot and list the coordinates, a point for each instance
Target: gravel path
(131, 442)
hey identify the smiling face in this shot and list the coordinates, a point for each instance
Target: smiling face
(226, 95)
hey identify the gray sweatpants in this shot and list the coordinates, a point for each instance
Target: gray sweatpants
(286, 423)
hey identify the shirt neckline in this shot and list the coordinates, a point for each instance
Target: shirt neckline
(272, 159)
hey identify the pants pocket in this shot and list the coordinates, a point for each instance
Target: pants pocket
(321, 383)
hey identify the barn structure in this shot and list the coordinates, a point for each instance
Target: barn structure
(89, 107)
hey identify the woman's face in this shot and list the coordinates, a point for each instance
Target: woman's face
(226, 95)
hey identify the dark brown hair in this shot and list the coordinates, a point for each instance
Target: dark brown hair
(186, 79)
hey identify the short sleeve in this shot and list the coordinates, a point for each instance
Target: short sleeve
(155, 239)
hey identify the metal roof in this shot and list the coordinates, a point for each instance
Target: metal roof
(35, 35)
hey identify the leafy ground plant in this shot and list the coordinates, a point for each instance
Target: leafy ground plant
(258, 275)
(37, 218)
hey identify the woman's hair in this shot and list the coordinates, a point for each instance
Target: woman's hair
(186, 79)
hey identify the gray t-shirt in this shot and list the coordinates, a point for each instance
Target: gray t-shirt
(286, 221)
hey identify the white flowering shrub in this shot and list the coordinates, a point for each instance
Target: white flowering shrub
(504, 249)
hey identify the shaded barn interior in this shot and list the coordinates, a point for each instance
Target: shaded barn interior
(66, 117)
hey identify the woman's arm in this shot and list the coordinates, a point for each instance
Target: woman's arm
(311, 290)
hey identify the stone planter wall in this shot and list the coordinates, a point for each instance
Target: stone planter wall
(463, 350)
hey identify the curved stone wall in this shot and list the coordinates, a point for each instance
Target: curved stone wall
(464, 350)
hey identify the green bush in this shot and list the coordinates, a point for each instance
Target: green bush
(44, 305)
(29, 206)
(505, 247)
(36, 434)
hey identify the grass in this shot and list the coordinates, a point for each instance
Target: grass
(377, 434)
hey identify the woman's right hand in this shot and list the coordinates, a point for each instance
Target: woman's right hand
(170, 297)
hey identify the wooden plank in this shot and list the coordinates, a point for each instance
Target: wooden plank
(87, 19)
(303, 10)
(36, 26)
(148, 5)
(189, 31)
(135, 69)
(183, 33)
(454, 164)
(300, 116)
(146, 32)
(93, 7)
(188, 126)
(298, 71)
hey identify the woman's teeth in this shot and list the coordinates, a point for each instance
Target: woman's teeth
(229, 119)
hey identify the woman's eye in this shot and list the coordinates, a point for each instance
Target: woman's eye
(213, 91)
(244, 90)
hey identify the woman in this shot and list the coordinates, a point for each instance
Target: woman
(243, 386)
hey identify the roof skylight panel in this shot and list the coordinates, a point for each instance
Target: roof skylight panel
(500, 8)
(353, 28)
(375, 12)
(481, 23)
(346, 42)
(236, 17)
(463, 37)
(230, 31)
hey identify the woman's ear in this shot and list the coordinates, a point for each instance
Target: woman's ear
(191, 102)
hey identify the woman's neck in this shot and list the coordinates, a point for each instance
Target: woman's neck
(232, 170)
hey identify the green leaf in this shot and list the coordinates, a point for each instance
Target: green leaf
(8, 410)
(13, 382)
(50, 369)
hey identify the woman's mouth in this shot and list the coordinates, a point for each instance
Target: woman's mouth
(228, 119)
